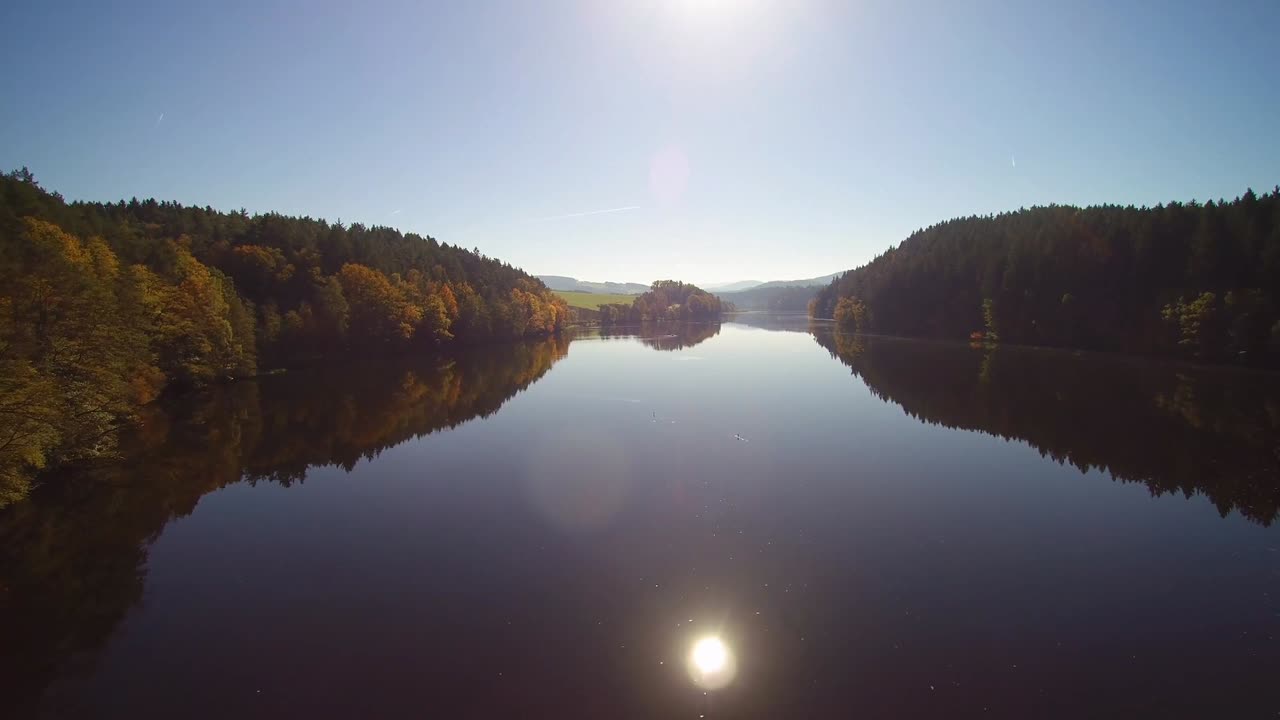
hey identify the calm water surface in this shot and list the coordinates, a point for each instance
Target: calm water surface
(870, 527)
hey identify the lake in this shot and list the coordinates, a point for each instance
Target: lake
(842, 526)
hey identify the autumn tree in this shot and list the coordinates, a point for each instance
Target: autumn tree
(379, 311)
(104, 306)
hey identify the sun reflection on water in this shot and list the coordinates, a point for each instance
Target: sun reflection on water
(712, 664)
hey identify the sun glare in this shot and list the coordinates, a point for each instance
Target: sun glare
(709, 655)
(712, 664)
(722, 9)
(704, 5)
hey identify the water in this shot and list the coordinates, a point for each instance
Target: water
(868, 527)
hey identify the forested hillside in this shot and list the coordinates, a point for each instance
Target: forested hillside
(104, 306)
(774, 298)
(667, 300)
(1201, 280)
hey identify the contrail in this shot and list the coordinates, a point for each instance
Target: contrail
(589, 212)
(159, 119)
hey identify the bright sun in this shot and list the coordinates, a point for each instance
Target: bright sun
(709, 655)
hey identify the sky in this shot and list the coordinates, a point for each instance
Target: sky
(633, 140)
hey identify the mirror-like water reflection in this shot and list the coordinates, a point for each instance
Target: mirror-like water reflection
(73, 559)
(1177, 429)
(731, 527)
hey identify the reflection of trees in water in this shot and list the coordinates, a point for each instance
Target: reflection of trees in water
(665, 336)
(72, 557)
(776, 321)
(1179, 431)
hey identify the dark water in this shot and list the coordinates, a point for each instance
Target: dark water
(872, 527)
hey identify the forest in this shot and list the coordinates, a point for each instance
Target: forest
(1200, 281)
(105, 306)
(666, 301)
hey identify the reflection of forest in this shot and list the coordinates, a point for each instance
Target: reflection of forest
(776, 321)
(72, 557)
(664, 336)
(1177, 430)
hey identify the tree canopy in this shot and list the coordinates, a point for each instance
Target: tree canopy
(1198, 280)
(105, 305)
(667, 300)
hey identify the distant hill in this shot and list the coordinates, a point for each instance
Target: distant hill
(777, 295)
(568, 284)
(807, 282)
(778, 298)
(734, 286)
(743, 285)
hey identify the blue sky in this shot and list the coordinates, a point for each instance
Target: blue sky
(742, 139)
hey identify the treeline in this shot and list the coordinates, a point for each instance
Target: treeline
(1198, 280)
(105, 305)
(1177, 430)
(73, 559)
(666, 301)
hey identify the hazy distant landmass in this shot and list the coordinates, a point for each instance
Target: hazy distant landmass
(568, 284)
(564, 283)
(807, 282)
(744, 285)
(777, 295)
(733, 286)
(774, 298)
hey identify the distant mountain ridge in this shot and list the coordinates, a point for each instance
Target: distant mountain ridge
(565, 283)
(777, 295)
(733, 286)
(744, 285)
(774, 298)
(807, 282)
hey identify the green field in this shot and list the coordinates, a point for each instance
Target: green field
(591, 301)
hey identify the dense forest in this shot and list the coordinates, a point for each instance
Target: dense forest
(667, 300)
(73, 559)
(1178, 430)
(1197, 280)
(103, 306)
